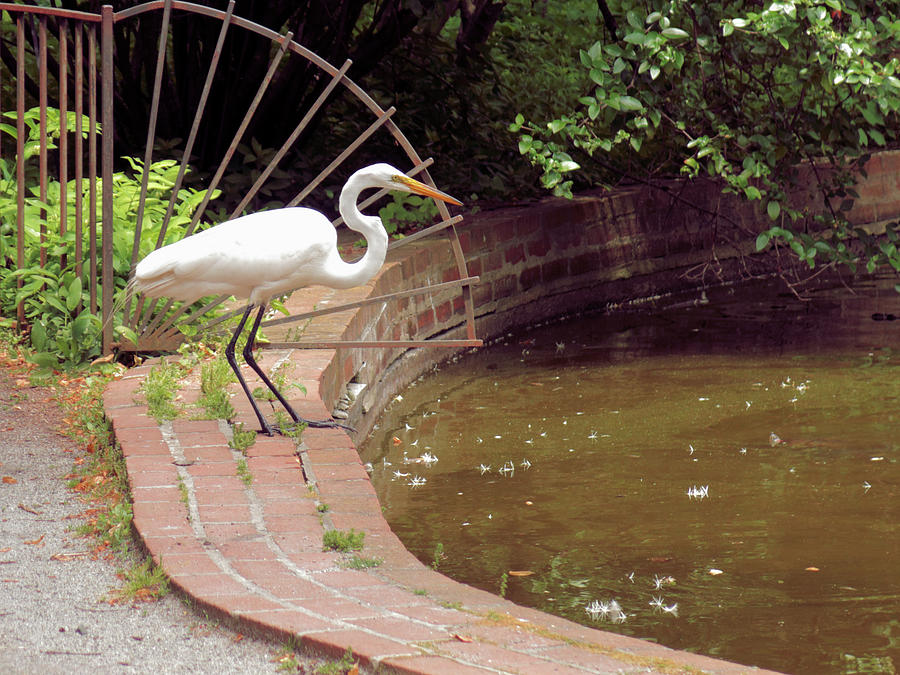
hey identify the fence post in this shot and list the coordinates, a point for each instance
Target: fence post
(108, 286)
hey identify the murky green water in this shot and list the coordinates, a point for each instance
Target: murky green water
(632, 458)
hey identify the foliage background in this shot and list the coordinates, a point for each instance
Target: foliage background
(512, 98)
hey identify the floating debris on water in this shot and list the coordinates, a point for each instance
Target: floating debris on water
(698, 491)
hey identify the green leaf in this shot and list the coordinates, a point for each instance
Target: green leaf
(762, 241)
(727, 28)
(81, 325)
(44, 360)
(38, 336)
(675, 33)
(774, 210)
(73, 294)
(630, 103)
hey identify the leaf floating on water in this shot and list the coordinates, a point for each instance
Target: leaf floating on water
(811, 569)
(520, 573)
(462, 638)
(9, 480)
(396, 441)
(715, 572)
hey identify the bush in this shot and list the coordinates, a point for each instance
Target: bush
(56, 292)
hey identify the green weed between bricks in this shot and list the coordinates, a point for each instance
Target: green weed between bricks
(343, 541)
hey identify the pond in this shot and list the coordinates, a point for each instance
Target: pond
(718, 473)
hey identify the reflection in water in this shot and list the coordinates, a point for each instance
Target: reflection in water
(717, 476)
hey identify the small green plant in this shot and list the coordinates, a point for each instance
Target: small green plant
(112, 527)
(322, 508)
(185, 497)
(279, 379)
(359, 562)
(343, 541)
(241, 438)
(504, 584)
(420, 591)
(287, 658)
(243, 472)
(159, 389)
(143, 581)
(288, 427)
(405, 212)
(438, 555)
(215, 376)
(338, 667)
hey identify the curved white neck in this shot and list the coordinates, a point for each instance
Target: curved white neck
(371, 227)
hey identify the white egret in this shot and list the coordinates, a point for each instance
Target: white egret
(269, 253)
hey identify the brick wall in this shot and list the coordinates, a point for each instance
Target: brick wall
(546, 259)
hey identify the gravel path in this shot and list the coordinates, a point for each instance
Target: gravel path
(53, 616)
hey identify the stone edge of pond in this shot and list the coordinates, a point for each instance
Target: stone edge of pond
(241, 536)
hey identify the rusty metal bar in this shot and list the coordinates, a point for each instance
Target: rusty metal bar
(63, 136)
(106, 54)
(378, 344)
(79, 151)
(148, 156)
(468, 303)
(49, 11)
(151, 133)
(349, 150)
(198, 115)
(92, 165)
(170, 322)
(290, 141)
(42, 154)
(20, 161)
(254, 104)
(201, 106)
(421, 234)
(434, 288)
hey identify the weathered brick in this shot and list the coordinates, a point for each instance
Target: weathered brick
(539, 247)
(554, 269)
(515, 254)
(443, 311)
(586, 263)
(425, 319)
(505, 286)
(530, 277)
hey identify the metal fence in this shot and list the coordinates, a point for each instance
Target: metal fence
(83, 82)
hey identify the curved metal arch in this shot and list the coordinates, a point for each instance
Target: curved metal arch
(159, 332)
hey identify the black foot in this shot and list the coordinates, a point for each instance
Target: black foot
(289, 429)
(328, 424)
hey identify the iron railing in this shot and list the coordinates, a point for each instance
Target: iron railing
(85, 84)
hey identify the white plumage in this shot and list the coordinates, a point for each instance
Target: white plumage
(269, 253)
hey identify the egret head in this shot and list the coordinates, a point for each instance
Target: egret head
(390, 178)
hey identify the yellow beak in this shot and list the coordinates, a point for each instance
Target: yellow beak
(426, 190)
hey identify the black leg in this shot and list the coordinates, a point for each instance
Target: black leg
(248, 357)
(229, 354)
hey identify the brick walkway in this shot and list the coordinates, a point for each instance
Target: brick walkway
(251, 552)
